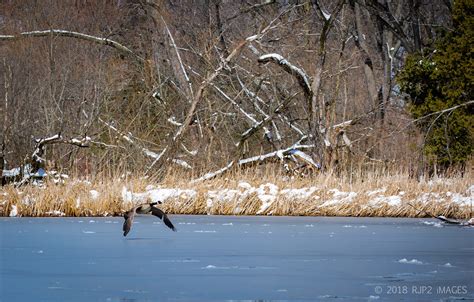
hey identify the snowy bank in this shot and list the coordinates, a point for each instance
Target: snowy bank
(237, 198)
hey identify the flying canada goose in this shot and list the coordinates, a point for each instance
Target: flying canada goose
(145, 208)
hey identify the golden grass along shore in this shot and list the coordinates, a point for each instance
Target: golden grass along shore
(248, 194)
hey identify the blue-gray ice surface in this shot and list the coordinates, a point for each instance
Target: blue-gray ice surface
(219, 258)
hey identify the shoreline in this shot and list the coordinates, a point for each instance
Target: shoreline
(325, 197)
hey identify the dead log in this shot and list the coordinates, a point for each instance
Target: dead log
(71, 34)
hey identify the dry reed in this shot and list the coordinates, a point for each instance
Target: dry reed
(240, 193)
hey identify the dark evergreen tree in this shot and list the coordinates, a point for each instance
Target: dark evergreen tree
(441, 78)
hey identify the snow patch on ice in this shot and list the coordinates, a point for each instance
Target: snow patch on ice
(433, 223)
(187, 260)
(211, 266)
(354, 226)
(412, 261)
(202, 231)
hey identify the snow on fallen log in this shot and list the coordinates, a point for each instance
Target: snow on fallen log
(299, 73)
(326, 15)
(182, 163)
(211, 175)
(252, 160)
(172, 120)
(72, 34)
(306, 158)
(34, 169)
(192, 153)
(15, 172)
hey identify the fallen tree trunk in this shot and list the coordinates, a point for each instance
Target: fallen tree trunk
(280, 154)
(72, 34)
(22, 175)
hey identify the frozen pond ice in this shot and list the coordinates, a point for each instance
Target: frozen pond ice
(215, 258)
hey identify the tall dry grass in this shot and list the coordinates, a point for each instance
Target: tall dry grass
(417, 198)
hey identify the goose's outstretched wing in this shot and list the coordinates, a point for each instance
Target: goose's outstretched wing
(160, 214)
(127, 224)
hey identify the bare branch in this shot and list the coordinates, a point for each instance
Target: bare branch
(201, 89)
(72, 34)
(441, 112)
(147, 152)
(183, 69)
(300, 74)
(255, 159)
(250, 8)
(382, 12)
(249, 132)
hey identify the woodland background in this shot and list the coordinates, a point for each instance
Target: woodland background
(204, 85)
